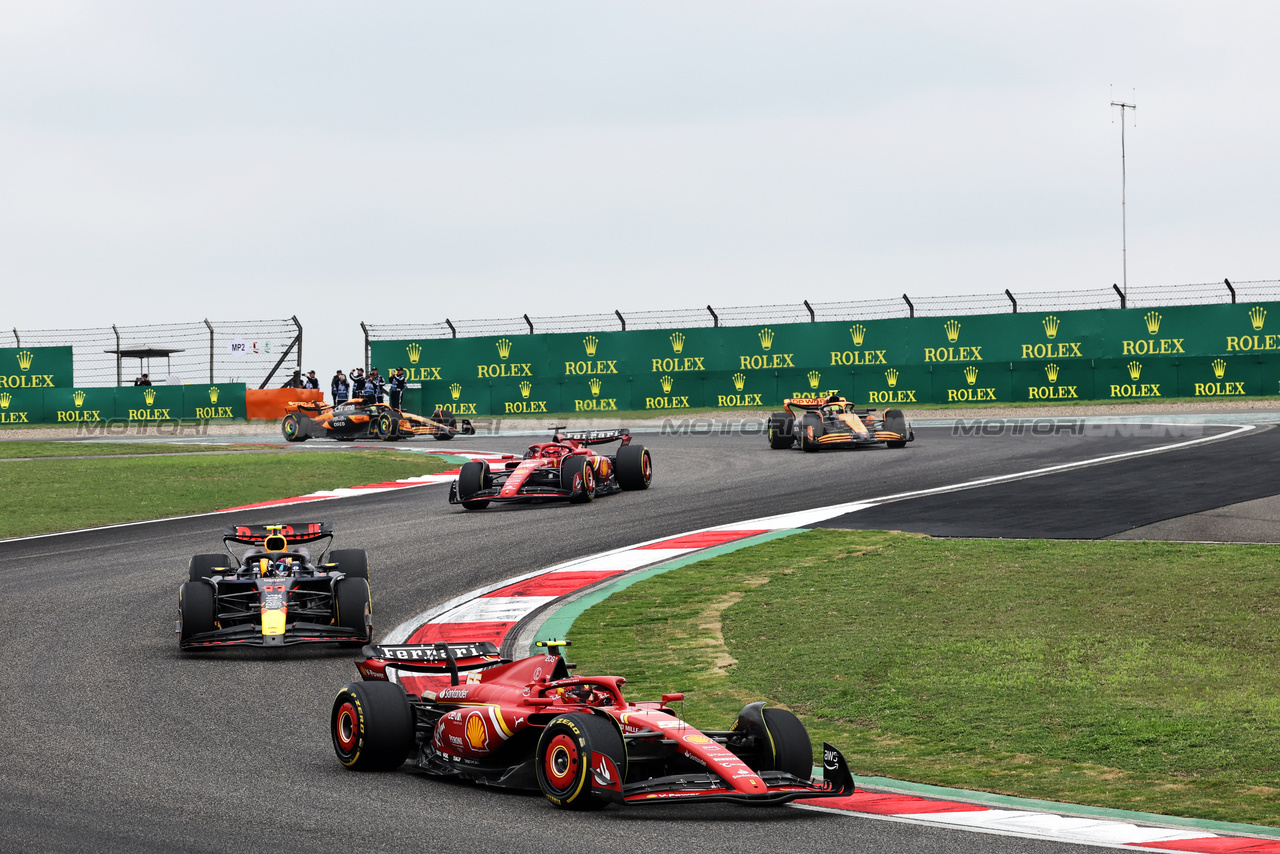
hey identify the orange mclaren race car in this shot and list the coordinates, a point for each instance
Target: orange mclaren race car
(814, 423)
(361, 418)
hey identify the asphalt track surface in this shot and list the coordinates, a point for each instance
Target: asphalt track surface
(113, 740)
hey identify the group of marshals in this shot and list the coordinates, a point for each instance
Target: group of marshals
(371, 385)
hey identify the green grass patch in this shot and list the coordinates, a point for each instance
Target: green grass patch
(37, 449)
(42, 496)
(1130, 675)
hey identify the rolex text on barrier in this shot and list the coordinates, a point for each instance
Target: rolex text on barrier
(1198, 351)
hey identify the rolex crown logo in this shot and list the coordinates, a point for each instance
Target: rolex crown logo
(78, 396)
(5, 397)
(859, 334)
(415, 352)
(1135, 371)
(213, 394)
(667, 383)
(1219, 368)
(971, 375)
(594, 386)
(525, 388)
(1153, 319)
(504, 347)
(1257, 316)
(766, 338)
(739, 381)
(677, 342)
(591, 342)
(149, 396)
(953, 330)
(814, 379)
(24, 359)
(1050, 326)
(1051, 371)
(455, 391)
(891, 377)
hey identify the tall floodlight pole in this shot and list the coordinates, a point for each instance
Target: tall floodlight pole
(1124, 231)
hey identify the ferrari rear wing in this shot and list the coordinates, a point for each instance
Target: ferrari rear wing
(451, 658)
(592, 437)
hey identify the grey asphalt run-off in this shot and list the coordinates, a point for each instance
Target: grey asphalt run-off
(116, 741)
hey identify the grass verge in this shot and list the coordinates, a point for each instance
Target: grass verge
(20, 450)
(1138, 676)
(42, 496)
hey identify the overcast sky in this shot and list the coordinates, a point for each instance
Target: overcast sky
(407, 162)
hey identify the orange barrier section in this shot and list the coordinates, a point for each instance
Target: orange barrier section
(268, 404)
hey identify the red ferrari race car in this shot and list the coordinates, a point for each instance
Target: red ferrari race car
(814, 423)
(361, 418)
(275, 593)
(529, 724)
(564, 469)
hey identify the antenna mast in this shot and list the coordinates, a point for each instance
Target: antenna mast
(1124, 230)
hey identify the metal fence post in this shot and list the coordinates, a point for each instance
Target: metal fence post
(530, 322)
(299, 325)
(812, 317)
(446, 323)
(1227, 282)
(16, 340)
(910, 307)
(714, 319)
(621, 319)
(1119, 293)
(210, 325)
(1012, 300)
(366, 344)
(119, 373)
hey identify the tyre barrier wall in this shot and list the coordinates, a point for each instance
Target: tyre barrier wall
(160, 403)
(1197, 351)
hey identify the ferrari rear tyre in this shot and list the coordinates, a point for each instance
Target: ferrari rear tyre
(579, 476)
(207, 566)
(384, 427)
(372, 726)
(810, 429)
(351, 603)
(473, 477)
(634, 467)
(353, 563)
(567, 752)
(197, 609)
(291, 427)
(782, 430)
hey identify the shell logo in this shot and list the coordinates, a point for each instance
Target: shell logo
(477, 732)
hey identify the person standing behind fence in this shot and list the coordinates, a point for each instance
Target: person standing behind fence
(373, 386)
(399, 379)
(340, 387)
(142, 380)
(311, 381)
(357, 383)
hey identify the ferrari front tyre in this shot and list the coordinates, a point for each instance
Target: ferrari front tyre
(196, 607)
(781, 743)
(353, 563)
(633, 467)
(372, 726)
(810, 429)
(579, 477)
(782, 430)
(351, 603)
(384, 427)
(291, 427)
(567, 754)
(472, 478)
(206, 566)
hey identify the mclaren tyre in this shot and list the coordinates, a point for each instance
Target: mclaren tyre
(782, 430)
(810, 430)
(293, 429)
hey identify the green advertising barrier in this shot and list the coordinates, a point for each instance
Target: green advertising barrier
(149, 403)
(1099, 354)
(36, 367)
(78, 405)
(21, 406)
(221, 402)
